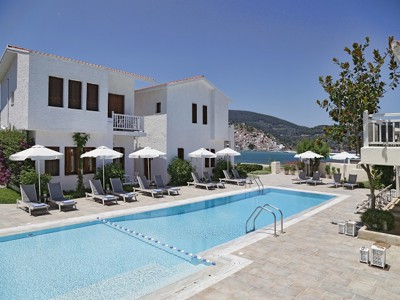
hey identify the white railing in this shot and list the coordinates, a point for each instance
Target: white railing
(127, 122)
(382, 129)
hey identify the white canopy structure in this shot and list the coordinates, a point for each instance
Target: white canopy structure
(103, 153)
(147, 152)
(37, 153)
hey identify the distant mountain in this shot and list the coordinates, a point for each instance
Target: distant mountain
(286, 133)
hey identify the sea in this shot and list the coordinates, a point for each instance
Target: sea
(264, 157)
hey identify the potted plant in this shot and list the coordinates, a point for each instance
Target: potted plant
(333, 170)
(328, 170)
(378, 220)
(292, 169)
(286, 167)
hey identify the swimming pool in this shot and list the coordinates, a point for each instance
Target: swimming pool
(93, 260)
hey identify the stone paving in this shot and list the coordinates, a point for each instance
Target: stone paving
(310, 261)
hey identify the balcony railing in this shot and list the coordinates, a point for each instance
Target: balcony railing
(127, 122)
(382, 129)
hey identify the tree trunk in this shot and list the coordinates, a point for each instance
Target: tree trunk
(367, 169)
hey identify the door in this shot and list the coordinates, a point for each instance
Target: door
(115, 104)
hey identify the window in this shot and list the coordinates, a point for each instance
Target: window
(92, 97)
(205, 114)
(115, 104)
(181, 153)
(56, 91)
(194, 113)
(158, 107)
(120, 160)
(209, 162)
(52, 167)
(89, 163)
(74, 94)
(71, 160)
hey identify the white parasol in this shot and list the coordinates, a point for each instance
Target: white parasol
(147, 152)
(103, 153)
(228, 152)
(200, 153)
(37, 153)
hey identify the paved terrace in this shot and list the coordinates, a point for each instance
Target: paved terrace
(310, 261)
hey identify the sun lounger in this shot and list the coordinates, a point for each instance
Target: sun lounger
(302, 178)
(352, 182)
(236, 175)
(229, 179)
(316, 179)
(98, 193)
(130, 180)
(207, 176)
(166, 189)
(117, 190)
(196, 182)
(29, 199)
(145, 188)
(57, 196)
(337, 177)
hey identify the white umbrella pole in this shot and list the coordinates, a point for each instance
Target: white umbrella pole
(148, 170)
(38, 165)
(103, 176)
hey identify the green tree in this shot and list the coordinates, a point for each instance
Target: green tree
(359, 88)
(80, 140)
(317, 146)
(180, 171)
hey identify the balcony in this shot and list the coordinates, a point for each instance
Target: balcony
(127, 123)
(381, 130)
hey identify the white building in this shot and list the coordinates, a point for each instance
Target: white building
(53, 97)
(382, 137)
(182, 116)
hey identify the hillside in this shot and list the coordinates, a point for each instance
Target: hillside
(286, 133)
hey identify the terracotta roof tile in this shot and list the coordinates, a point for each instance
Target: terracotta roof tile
(81, 62)
(172, 82)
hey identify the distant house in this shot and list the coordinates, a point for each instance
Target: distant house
(182, 116)
(53, 97)
(382, 136)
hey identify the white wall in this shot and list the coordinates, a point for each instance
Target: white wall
(15, 114)
(385, 156)
(145, 104)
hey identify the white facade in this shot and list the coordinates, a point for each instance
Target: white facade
(24, 79)
(25, 105)
(173, 127)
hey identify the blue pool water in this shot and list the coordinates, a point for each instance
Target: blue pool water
(93, 260)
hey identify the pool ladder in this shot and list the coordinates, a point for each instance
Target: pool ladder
(259, 210)
(257, 180)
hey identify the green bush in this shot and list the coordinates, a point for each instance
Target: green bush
(220, 166)
(110, 171)
(30, 177)
(374, 219)
(247, 168)
(180, 171)
(8, 196)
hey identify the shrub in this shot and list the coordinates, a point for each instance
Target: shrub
(328, 169)
(31, 177)
(249, 167)
(375, 219)
(220, 165)
(180, 171)
(110, 171)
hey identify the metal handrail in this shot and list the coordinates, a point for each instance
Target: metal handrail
(274, 207)
(260, 209)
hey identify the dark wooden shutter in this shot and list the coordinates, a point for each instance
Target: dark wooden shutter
(56, 91)
(120, 160)
(92, 97)
(213, 159)
(52, 167)
(89, 163)
(204, 114)
(194, 113)
(115, 104)
(74, 94)
(181, 153)
(71, 160)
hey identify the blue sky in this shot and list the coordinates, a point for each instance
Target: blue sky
(265, 55)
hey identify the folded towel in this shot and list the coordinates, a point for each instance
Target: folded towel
(174, 188)
(157, 190)
(38, 204)
(109, 196)
(68, 202)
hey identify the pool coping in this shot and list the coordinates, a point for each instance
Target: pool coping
(228, 263)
